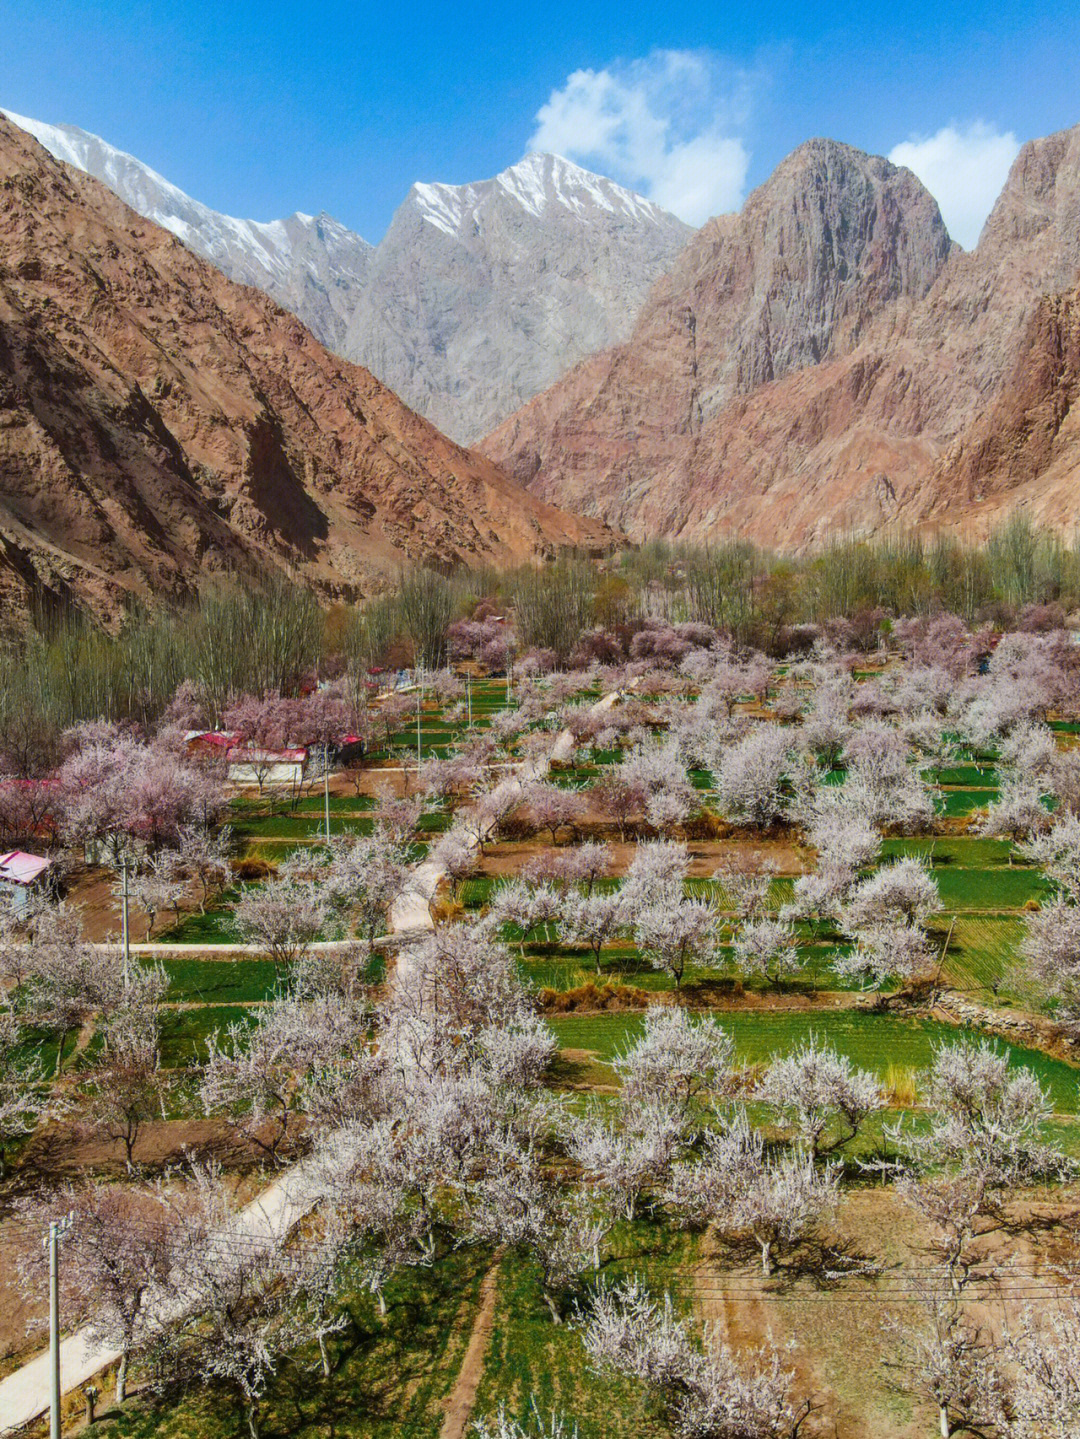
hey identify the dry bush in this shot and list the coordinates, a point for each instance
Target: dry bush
(901, 1087)
(445, 909)
(706, 826)
(252, 867)
(590, 996)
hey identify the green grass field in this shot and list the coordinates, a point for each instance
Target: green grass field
(184, 1031)
(873, 1041)
(220, 981)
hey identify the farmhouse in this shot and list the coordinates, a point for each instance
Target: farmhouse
(21, 876)
(250, 765)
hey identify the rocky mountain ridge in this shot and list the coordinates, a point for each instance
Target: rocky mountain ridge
(478, 296)
(827, 361)
(159, 423)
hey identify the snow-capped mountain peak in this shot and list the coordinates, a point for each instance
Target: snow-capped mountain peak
(251, 251)
(541, 180)
(538, 184)
(477, 297)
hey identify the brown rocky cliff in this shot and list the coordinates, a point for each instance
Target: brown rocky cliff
(842, 351)
(158, 422)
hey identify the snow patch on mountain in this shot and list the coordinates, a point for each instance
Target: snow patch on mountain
(536, 184)
(249, 251)
(477, 297)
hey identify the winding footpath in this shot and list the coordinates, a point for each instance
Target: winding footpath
(24, 1394)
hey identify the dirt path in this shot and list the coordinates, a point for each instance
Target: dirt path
(459, 1405)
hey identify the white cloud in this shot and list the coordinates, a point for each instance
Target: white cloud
(665, 125)
(964, 169)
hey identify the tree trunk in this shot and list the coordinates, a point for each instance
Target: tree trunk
(324, 1356)
(553, 1308)
(252, 1411)
(121, 1378)
(382, 1304)
(131, 1134)
(943, 1421)
(766, 1257)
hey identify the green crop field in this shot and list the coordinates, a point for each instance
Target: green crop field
(220, 981)
(873, 1041)
(974, 775)
(287, 826)
(246, 808)
(959, 802)
(983, 958)
(992, 889)
(960, 851)
(184, 1031)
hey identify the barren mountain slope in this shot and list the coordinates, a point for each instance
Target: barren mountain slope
(158, 421)
(814, 363)
(311, 264)
(477, 297)
(480, 295)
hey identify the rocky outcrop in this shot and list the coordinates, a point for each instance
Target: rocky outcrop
(479, 296)
(158, 423)
(826, 361)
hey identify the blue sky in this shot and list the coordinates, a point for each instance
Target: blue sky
(261, 109)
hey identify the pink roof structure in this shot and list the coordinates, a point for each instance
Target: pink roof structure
(18, 867)
(218, 739)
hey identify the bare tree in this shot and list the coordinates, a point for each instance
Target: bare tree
(426, 600)
(259, 1077)
(673, 937)
(118, 1255)
(821, 1093)
(1045, 1353)
(22, 1099)
(710, 1394)
(236, 1306)
(984, 1136)
(592, 920)
(283, 916)
(986, 1118)
(736, 1187)
(67, 980)
(126, 1091)
(584, 864)
(950, 1361)
(676, 1058)
(154, 887)
(204, 854)
(751, 776)
(501, 1426)
(767, 947)
(553, 808)
(627, 1149)
(512, 1204)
